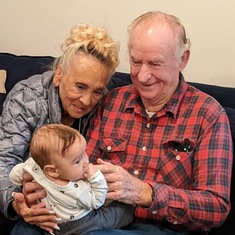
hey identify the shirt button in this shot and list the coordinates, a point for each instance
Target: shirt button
(154, 212)
(144, 148)
(109, 148)
(148, 125)
(136, 172)
(177, 157)
(175, 222)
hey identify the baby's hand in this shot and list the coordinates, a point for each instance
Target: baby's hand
(91, 170)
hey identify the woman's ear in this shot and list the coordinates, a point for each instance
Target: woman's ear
(51, 171)
(58, 76)
(184, 60)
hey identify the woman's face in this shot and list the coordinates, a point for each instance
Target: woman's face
(82, 85)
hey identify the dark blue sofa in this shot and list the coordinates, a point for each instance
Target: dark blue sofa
(21, 67)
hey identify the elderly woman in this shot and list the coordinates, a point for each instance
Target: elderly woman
(69, 95)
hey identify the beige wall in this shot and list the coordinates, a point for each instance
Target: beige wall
(37, 27)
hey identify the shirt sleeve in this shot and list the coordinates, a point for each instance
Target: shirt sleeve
(207, 204)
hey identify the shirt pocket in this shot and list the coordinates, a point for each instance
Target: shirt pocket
(113, 149)
(176, 162)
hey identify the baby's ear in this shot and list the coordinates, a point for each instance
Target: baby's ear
(51, 171)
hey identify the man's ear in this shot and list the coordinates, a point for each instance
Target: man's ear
(58, 76)
(184, 60)
(51, 171)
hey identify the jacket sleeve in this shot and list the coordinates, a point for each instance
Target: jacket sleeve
(19, 118)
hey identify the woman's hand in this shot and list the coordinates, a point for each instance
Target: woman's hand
(28, 205)
(32, 191)
(36, 214)
(124, 187)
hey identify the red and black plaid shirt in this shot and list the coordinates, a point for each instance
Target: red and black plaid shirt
(184, 151)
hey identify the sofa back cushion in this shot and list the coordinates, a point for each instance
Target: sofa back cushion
(222, 94)
(22, 67)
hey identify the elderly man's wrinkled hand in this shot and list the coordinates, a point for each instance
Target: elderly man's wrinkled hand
(124, 187)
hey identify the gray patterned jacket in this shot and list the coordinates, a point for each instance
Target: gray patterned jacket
(31, 103)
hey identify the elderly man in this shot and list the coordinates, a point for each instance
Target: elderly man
(169, 144)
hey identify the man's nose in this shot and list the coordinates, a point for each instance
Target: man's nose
(144, 73)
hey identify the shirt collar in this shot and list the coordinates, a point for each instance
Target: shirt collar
(171, 107)
(173, 104)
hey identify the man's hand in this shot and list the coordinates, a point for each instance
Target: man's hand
(124, 187)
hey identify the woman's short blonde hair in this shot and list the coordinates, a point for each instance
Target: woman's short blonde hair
(92, 40)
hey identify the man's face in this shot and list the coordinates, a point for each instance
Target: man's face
(153, 64)
(82, 85)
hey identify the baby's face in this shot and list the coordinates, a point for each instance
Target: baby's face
(75, 162)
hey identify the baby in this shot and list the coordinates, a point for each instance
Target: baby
(75, 188)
